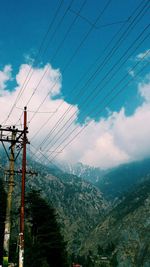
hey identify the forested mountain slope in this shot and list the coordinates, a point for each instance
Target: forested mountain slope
(127, 226)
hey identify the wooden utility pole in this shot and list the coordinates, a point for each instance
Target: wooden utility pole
(16, 138)
(21, 234)
(12, 136)
(9, 203)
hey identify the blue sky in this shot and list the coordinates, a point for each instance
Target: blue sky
(24, 24)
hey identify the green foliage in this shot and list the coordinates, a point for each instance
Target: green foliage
(109, 249)
(132, 200)
(44, 243)
(114, 261)
(89, 261)
(118, 181)
(100, 250)
(109, 253)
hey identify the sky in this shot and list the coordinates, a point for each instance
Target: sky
(82, 69)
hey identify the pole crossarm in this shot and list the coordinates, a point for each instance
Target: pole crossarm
(10, 129)
(6, 135)
(20, 137)
(8, 140)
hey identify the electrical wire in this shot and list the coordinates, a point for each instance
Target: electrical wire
(92, 24)
(94, 74)
(96, 93)
(63, 115)
(110, 52)
(30, 73)
(39, 159)
(53, 151)
(98, 113)
(78, 83)
(54, 56)
(89, 113)
(83, 40)
(52, 37)
(57, 50)
(32, 111)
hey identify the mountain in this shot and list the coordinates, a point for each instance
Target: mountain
(113, 183)
(127, 226)
(103, 214)
(79, 204)
(122, 179)
(90, 174)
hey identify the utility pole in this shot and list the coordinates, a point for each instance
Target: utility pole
(16, 138)
(12, 136)
(21, 234)
(9, 203)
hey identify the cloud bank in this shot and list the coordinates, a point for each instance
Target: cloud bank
(107, 143)
(5, 75)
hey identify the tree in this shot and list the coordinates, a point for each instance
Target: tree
(44, 243)
(114, 261)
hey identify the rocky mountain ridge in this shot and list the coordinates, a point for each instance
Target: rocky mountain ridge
(127, 226)
(93, 214)
(113, 183)
(79, 204)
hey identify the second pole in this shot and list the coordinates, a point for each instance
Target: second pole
(21, 234)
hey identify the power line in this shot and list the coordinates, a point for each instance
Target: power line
(54, 56)
(83, 40)
(86, 36)
(30, 73)
(42, 112)
(78, 83)
(95, 94)
(100, 67)
(92, 24)
(54, 33)
(57, 48)
(98, 113)
(43, 155)
(84, 74)
(89, 113)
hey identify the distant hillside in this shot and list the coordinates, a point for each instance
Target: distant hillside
(113, 182)
(123, 178)
(98, 210)
(90, 174)
(127, 226)
(79, 204)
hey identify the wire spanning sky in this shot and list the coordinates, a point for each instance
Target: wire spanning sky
(82, 69)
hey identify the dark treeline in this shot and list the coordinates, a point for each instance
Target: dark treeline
(44, 244)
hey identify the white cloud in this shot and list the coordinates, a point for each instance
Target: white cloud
(144, 90)
(5, 75)
(50, 86)
(116, 139)
(110, 141)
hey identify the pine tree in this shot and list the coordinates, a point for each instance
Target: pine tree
(44, 243)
